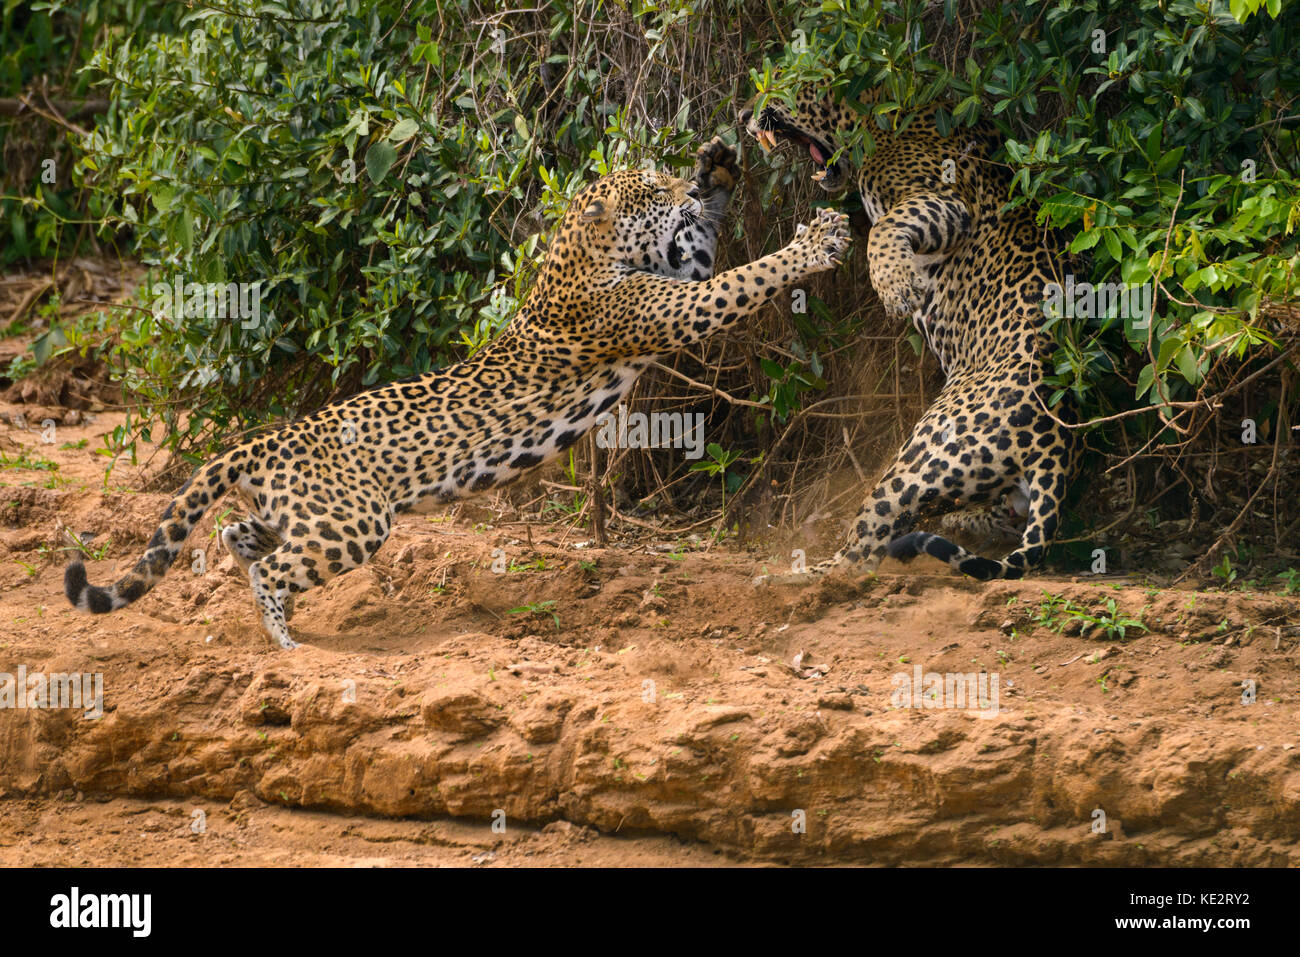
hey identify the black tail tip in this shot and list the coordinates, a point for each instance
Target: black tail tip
(82, 594)
(906, 547)
(74, 581)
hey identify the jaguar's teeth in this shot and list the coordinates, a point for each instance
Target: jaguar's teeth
(819, 175)
(767, 140)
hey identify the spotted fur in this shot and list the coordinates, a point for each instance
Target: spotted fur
(972, 279)
(626, 278)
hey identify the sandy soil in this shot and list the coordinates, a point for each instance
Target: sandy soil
(631, 705)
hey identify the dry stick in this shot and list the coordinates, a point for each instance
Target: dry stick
(708, 389)
(639, 523)
(898, 388)
(1292, 529)
(38, 290)
(76, 49)
(115, 305)
(1184, 406)
(1150, 442)
(1218, 397)
(762, 468)
(660, 487)
(1246, 451)
(14, 106)
(1278, 434)
(853, 415)
(1242, 515)
(596, 498)
(577, 521)
(848, 447)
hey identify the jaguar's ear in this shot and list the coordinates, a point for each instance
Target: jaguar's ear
(596, 210)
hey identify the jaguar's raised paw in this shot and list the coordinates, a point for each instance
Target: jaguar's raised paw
(716, 166)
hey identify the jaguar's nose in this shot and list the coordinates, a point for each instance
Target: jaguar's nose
(693, 191)
(745, 115)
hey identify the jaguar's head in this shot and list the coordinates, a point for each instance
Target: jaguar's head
(634, 218)
(812, 126)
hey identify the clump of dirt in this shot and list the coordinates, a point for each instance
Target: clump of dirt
(481, 675)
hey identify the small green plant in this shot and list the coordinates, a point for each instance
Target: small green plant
(536, 565)
(25, 461)
(95, 553)
(1113, 622)
(1050, 610)
(539, 608)
(219, 522)
(1225, 571)
(1056, 611)
(786, 384)
(1290, 580)
(720, 462)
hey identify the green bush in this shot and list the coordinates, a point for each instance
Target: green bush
(383, 170)
(1158, 135)
(42, 212)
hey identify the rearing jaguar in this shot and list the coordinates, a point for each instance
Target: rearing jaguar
(973, 279)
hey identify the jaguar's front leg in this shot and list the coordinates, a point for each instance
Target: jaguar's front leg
(927, 224)
(670, 314)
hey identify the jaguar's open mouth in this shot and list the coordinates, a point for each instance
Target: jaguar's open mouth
(772, 131)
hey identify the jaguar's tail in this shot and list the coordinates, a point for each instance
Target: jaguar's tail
(204, 487)
(1014, 565)
(1042, 493)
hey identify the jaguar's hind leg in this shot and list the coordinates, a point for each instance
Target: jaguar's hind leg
(311, 556)
(940, 465)
(978, 527)
(250, 540)
(1047, 488)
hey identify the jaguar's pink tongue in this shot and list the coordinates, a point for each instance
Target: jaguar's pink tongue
(816, 154)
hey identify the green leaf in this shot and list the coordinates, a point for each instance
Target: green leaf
(46, 344)
(1146, 378)
(1168, 349)
(1188, 364)
(402, 132)
(379, 160)
(1085, 240)
(1112, 245)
